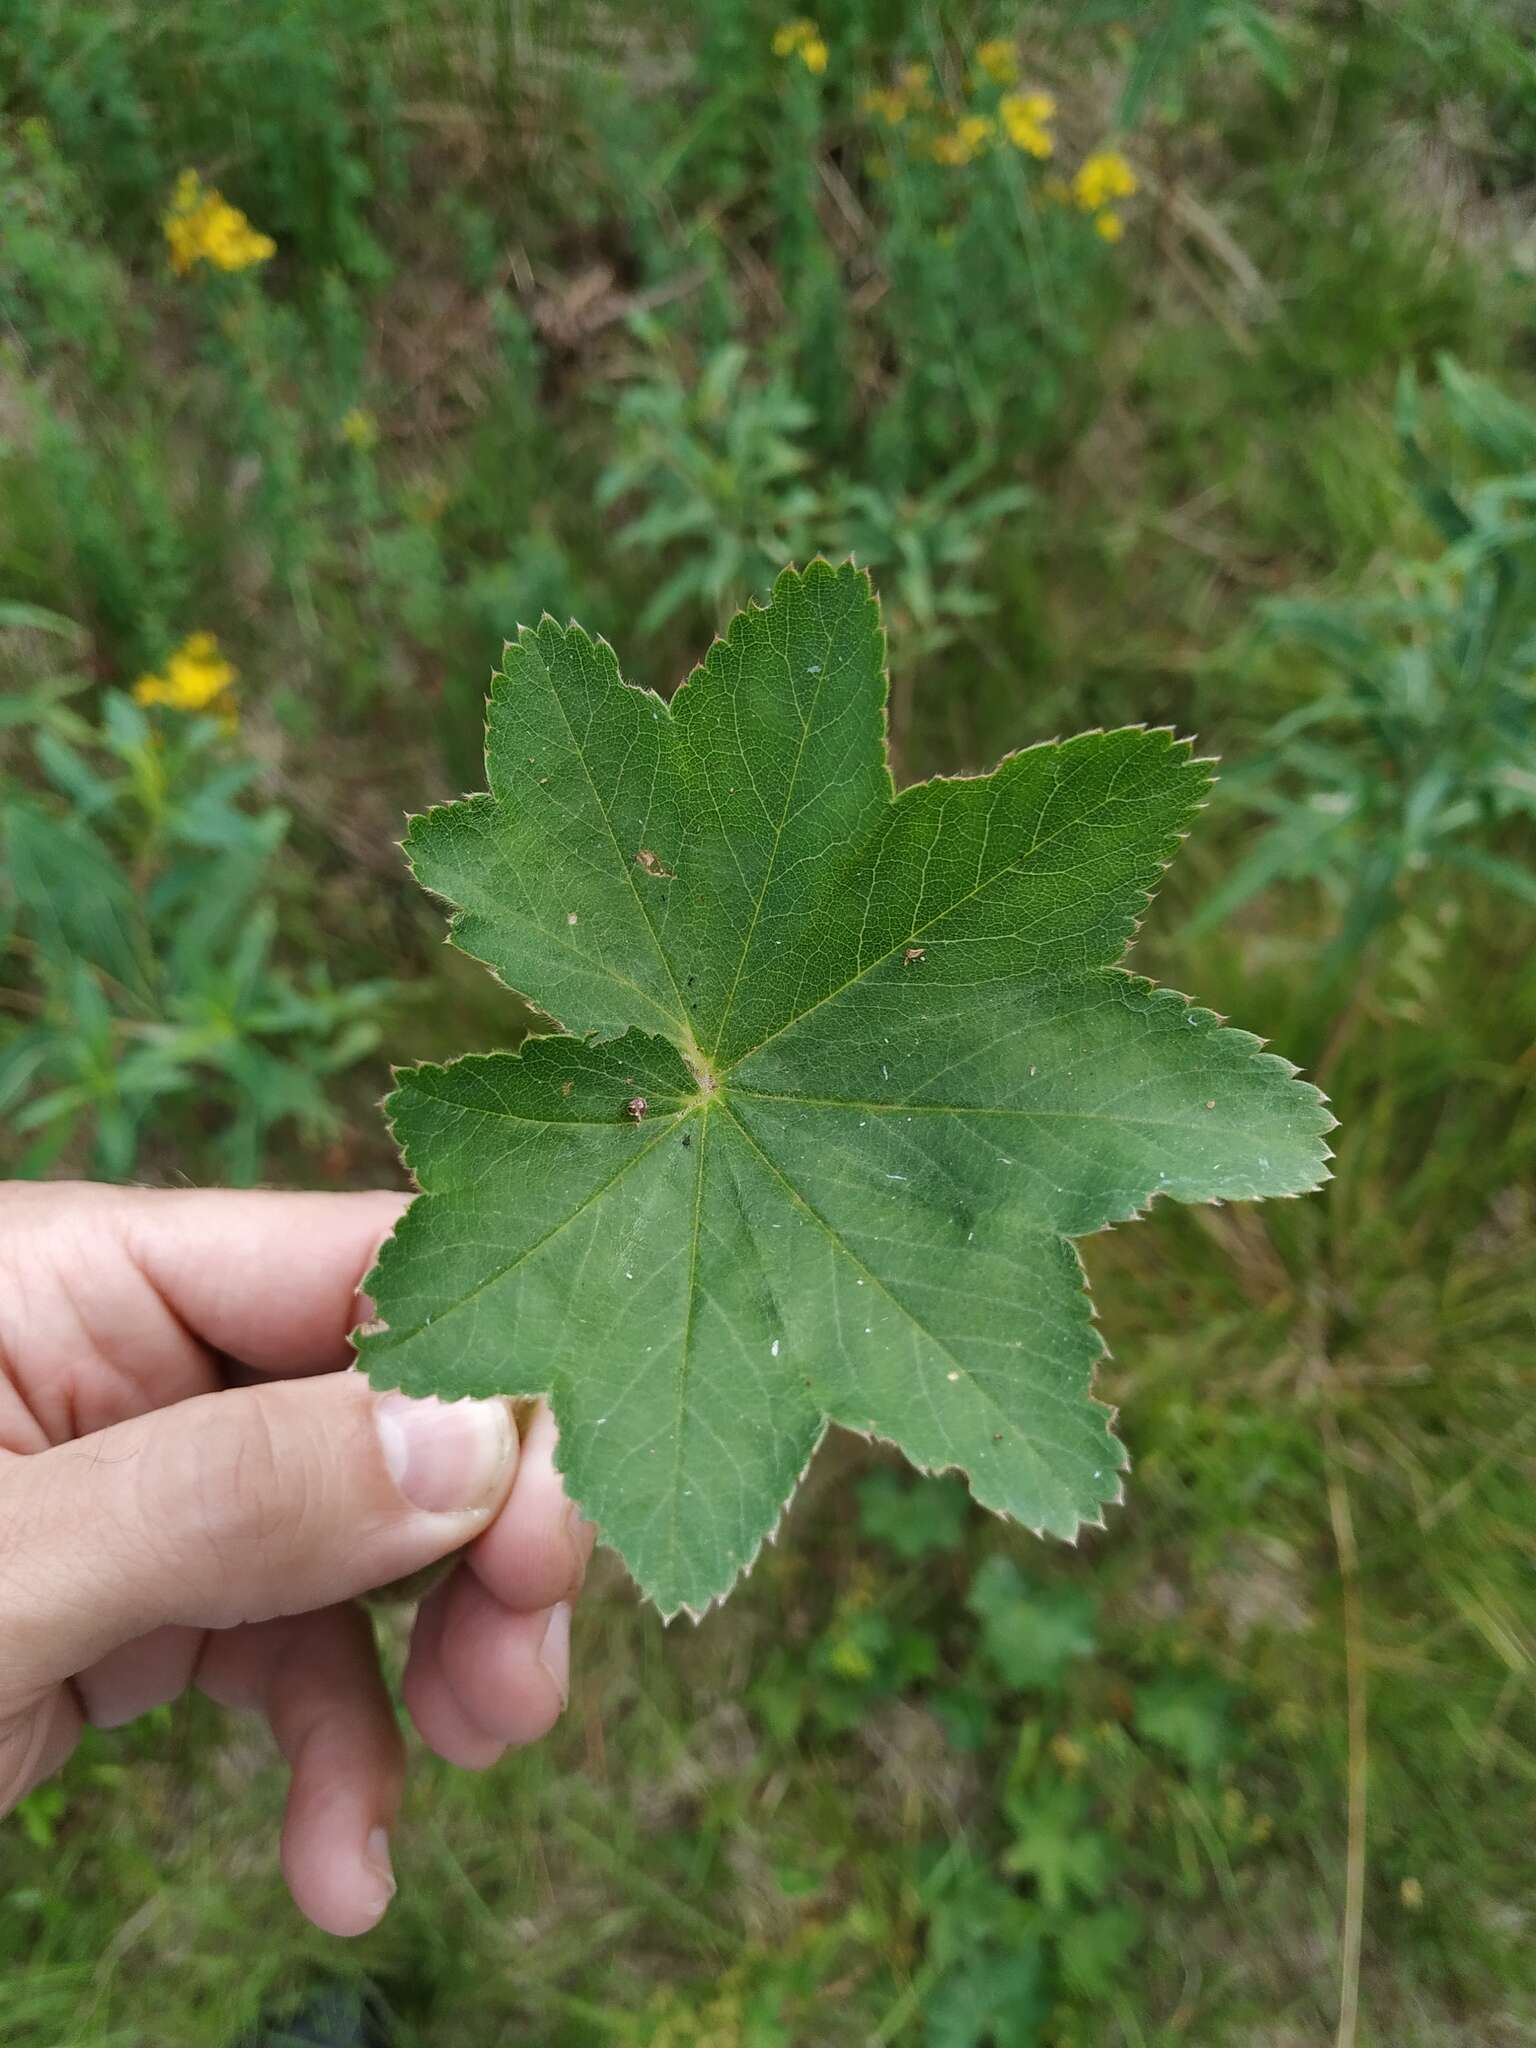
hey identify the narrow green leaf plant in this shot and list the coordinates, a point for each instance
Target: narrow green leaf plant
(834, 1078)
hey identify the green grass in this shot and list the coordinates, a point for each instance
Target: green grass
(831, 1812)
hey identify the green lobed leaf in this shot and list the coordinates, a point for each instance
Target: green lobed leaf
(1030, 1634)
(890, 1066)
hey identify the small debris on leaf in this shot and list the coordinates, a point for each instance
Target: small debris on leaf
(635, 1108)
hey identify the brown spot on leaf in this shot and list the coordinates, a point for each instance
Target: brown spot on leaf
(913, 953)
(652, 865)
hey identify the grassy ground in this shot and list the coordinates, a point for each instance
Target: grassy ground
(1254, 1765)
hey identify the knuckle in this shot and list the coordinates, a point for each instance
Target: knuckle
(247, 1496)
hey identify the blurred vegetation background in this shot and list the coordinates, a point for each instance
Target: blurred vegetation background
(1167, 360)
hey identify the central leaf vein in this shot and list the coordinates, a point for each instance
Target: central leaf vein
(806, 721)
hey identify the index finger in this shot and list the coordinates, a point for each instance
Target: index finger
(268, 1279)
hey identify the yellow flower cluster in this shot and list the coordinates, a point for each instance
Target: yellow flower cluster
(202, 227)
(886, 103)
(1027, 117)
(909, 95)
(998, 60)
(802, 39)
(968, 136)
(1101, 179)
(1024, 118)
(196, 676)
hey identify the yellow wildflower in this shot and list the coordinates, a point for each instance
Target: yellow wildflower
(963, 140)
(913, 80)
(1102, 177)
(359, 429)
(202, 227)
(196, 676)
(999, 60)
(889, 104)
(802, 39)
(1026, 117)
(1109, 225)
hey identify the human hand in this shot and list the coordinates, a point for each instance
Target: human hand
(193, 1492)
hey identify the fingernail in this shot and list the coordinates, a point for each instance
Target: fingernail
(446, 1455)
(376, 1862)
(555, 1649)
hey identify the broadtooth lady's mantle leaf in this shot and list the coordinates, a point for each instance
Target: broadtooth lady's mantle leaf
(852, 1073)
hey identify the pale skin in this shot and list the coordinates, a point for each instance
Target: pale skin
(194, 1491)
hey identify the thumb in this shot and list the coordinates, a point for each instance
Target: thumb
(234, 1507)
